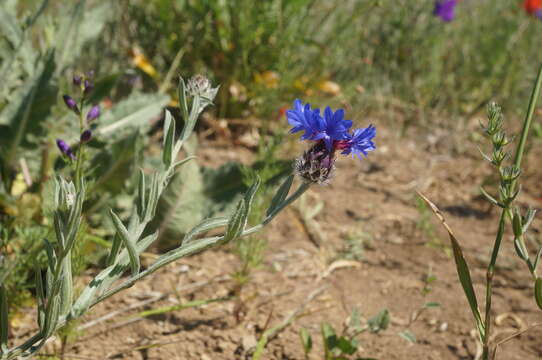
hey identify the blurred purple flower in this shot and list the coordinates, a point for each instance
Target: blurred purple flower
(77, 80)
(86, 136)
(71, 104)
(65, 148)
(445, 9)
(93, 113)
(88, 87)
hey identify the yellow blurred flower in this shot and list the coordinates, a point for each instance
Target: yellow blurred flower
(141, 62)
(329, 87)
(268, 78)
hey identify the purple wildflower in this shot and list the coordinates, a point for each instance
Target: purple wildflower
(65, 148)
(93, 113)
(71, 104)
(86, 136)
(445, 9)
(336, 126)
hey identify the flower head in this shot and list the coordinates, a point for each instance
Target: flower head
(88, 86)
(445, 9)
(93, 113)
(316, 165)
(533, 7)
(71, 104)
(65, 148)
(77, 79)
(331, 133)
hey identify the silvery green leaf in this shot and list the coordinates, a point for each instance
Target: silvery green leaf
(9, 27)
(141, 192)
(131, 114)
(408, 336)
(182, 162)
(306, 340)
(181, 90)
(3, 320)
(237, 222)
(51, 257)
(107, 277)
(40, 293)
(537, 258)
(490, 198)
(521, 250)
(280, 195)
(128, 243)
(59, 230)
(192, 118)
(115, 248)
(66, 290)
(204, 226)
(169, 139)
(529, 217)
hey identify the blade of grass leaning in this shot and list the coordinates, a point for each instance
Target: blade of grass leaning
(3, 320)
(462, 268)
(187, 305)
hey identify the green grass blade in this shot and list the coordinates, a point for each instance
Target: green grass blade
(463, 271)
(3, 320)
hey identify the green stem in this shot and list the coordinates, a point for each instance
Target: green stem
(506, 212)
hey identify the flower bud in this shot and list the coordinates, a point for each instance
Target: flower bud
(88, 87)
(93, 113)
(77, 79)
(198, 85)
(65, 148)
(71, 104)
(86, 136)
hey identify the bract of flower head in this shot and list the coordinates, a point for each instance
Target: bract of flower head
(533, 7)
(65, 148)
(445, 9)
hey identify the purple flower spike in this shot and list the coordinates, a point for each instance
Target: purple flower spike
(65, 148)
(71, 104)
(86, 136)
(88, 87)
(93, 113)
(445, 9)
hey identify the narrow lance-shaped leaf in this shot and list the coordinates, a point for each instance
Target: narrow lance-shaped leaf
(538, 292)
(182, 98)
(205, 225)
(169, 138)
(238, 221)
(130, 247)
(141, 191)
(280, 195)
(462, 269)
(115, 248)
(40, 293)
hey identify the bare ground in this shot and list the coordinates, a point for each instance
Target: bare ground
(373, 200)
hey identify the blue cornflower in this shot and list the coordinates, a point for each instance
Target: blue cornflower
(330, 128)
(330, 133)
(445, 9)
(336, 127)
(359, 142)
(303, 118)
